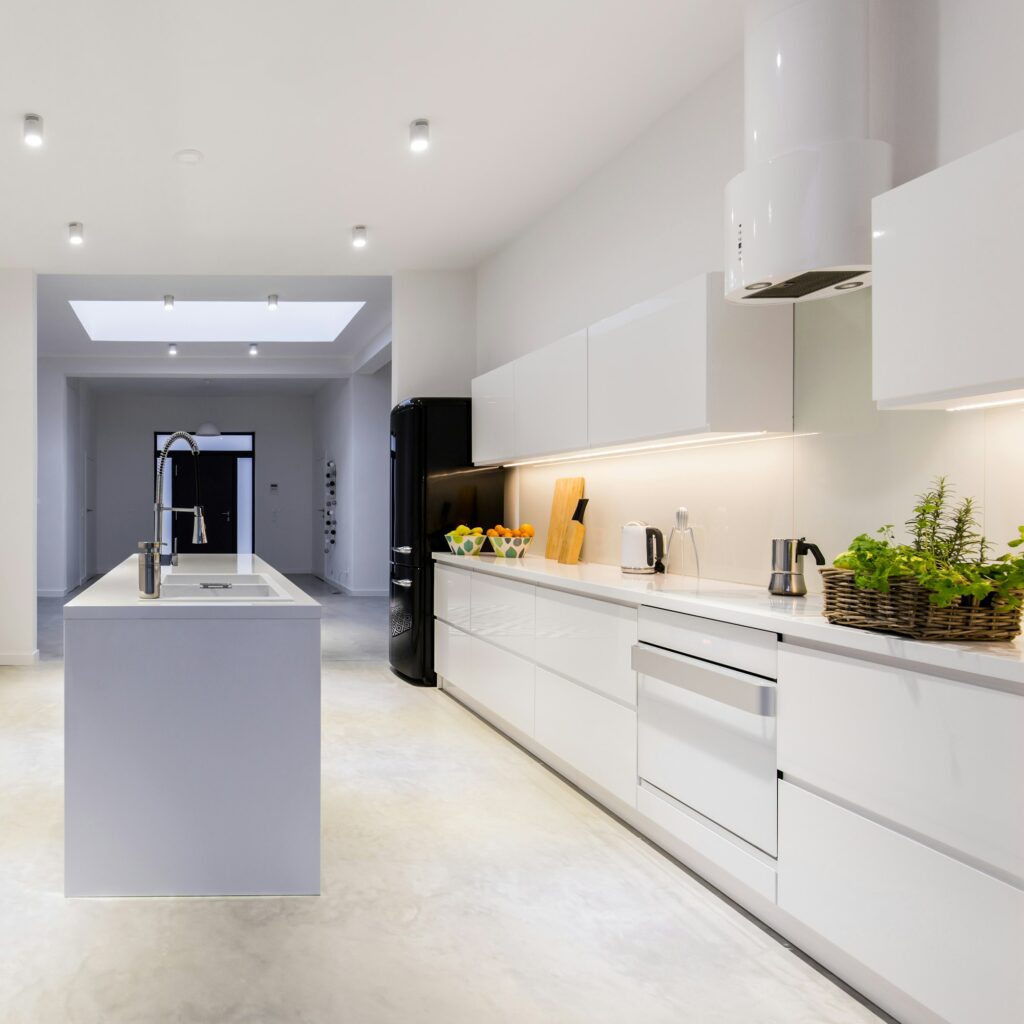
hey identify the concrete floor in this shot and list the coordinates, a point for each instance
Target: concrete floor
(462, 882)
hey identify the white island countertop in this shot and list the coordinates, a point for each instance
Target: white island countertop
(116, 595)
(796, 618)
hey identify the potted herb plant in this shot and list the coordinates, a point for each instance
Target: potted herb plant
(943, 585)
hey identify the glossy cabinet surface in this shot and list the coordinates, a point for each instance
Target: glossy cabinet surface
(503, 612)
(502, 682)
(943, 758)
(588, 640)
(945, 933)
(493, 411)
(591, 733)
(451, 596)
(945, 298)
(452, 653)
(740, 647)
(551, 398)
(647, 368)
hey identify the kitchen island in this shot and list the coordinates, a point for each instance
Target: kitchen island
(192, 733)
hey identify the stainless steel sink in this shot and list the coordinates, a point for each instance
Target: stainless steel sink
(220, 587)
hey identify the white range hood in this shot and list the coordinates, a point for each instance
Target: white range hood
(798, 219)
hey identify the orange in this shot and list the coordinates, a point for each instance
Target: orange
(492, 533)
(528, 530)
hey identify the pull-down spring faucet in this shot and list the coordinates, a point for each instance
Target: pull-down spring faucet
(150, 551)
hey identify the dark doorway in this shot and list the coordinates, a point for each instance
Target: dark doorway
(219, 483)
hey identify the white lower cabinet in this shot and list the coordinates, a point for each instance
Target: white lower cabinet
(451, 596)
(587, 640)
(500, 682)
(591, 733)
(502, 611)
(452, 653)
(940, 757)
(948, 935)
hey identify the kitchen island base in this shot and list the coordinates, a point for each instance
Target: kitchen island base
(192, 750)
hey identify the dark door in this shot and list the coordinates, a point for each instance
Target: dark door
(218, 482)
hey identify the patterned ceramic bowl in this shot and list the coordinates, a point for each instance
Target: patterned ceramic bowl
(470, 544)
(510, 547)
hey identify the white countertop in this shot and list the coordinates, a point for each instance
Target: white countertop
(116, 595)
(796, 618)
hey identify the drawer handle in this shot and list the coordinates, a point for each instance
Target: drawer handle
(724, 685)
(402, 583)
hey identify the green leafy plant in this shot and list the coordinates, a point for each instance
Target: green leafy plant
(948, 555)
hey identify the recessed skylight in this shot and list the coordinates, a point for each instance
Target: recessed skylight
(133, 320)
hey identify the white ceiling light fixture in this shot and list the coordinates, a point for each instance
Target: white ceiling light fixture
(76, 233)
(419, 135)
(254, 350)
(359, 236)
(189, 157)
(272, 303)
(168, 303)
(33, 130)
(207, 429)
(172, 349)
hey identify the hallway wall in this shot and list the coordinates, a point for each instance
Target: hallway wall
(125, 424)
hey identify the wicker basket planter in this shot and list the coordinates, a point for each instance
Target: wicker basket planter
(906, 611)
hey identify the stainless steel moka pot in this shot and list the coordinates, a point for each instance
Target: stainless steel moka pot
(788, 565)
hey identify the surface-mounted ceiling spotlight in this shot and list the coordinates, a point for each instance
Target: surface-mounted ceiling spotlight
(254, 349)
(168, 303)
(172, 349)
(359, 236)
(419, 135)
(271, 302)
(847, 285)
(76, 233)
(33, 130)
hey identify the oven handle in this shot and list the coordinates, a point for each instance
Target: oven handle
(724, 685)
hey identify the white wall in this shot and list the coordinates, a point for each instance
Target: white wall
(646, 221)
(18, 400)
(51, 557)
(433, 344)
(283, 425)
(652, 217)
(351, 427)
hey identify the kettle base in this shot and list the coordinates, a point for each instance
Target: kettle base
(647, 570)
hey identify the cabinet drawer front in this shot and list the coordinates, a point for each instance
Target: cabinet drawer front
(940, 758)
(500, 684)
(452, 653)
(946, 934)
(594, 735)
(451, 595)
(587, 640)
(503, 612)
(739, 647)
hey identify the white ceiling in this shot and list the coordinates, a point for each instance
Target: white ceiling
(302, 112)
(61, 333)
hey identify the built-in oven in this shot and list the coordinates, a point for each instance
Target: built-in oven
(706, 721)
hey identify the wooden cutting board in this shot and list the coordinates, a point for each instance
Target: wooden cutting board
(568, 491)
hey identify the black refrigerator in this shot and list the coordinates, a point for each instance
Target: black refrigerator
(434, 488)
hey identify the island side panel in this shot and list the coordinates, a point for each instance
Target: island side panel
(192, 756)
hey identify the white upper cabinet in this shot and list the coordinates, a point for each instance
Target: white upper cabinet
(689, 362)
(947, 265)
(684, 362)
(493, 415)
(551, 398)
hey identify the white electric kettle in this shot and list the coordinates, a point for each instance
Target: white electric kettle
(643, 548)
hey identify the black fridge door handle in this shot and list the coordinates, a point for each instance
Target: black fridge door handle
(405, 549)
(402, 583)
